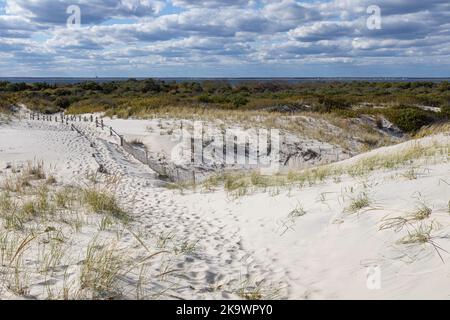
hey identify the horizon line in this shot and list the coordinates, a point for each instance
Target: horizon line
(277, 77)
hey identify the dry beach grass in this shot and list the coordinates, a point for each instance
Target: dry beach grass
(68, 231)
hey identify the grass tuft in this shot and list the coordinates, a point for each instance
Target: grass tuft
(103, 203)
(360, 202)
(101, 270)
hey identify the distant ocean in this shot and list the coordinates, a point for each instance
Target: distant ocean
(230, 80)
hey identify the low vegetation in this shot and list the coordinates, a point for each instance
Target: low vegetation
(358, 203)
(68, 240)
(241, 184)
(103, 202)
(409, 105)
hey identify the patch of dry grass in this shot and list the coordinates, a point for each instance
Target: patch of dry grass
(103, 202)
(244, 183)
(50, 238)
(101, 270)
(433, 129)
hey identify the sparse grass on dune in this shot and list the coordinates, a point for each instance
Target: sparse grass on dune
(420, 235)
(414, 151)
(101, 270)
(36, 170)
(65, 197)
(24, 178)
(5, 112)
(102, 202)
(433, 129)
(410, 174)
(34, 214)
(250, 288)
(358, 203)
(420, 213)
(243, 183)
(80, 238)
(417, 226)
(288, 223)
(25, 196)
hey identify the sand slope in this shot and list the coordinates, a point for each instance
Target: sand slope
(253, 243)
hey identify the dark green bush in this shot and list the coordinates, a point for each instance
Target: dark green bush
(239, 101)
(62, 102)
(445, 111)
(329, 103)
(409, 119)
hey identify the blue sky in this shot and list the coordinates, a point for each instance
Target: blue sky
(233, 38)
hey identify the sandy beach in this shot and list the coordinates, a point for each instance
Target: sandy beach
(298, 242)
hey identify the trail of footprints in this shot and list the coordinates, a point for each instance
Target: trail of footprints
(219, 262)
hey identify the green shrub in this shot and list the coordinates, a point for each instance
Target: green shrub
(445, 111)
(238, 101)
(409, 119)
(329, 103)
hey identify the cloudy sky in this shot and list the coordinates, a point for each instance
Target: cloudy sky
(229, 38)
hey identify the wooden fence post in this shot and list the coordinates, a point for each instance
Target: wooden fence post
(101, 121)
(121, 141)
(110, 131)
(192, 150)
(96, 122)
(235, 148)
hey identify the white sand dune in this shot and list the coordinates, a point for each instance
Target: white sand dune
(251, 242)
